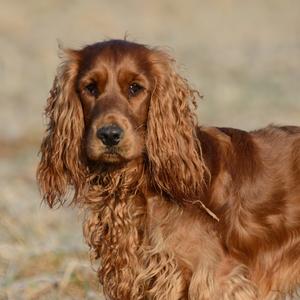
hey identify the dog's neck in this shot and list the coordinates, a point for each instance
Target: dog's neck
(115, 224)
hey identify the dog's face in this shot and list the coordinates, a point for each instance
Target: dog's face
(114, 85)
(112, 103)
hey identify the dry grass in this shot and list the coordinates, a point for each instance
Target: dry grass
(244, 57)
(42, 254)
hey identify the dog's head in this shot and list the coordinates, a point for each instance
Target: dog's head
(114, 102)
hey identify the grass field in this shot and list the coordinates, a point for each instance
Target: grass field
(244, 56)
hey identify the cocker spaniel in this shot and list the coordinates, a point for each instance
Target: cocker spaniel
(173, 210)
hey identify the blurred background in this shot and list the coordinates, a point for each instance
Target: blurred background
(244, 57)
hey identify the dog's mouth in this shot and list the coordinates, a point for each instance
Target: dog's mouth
(122, 152)
(111, 154)
(98, 152)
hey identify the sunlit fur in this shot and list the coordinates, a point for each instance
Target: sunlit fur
(174, 211)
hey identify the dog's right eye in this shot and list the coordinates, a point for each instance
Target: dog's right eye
(92, 89)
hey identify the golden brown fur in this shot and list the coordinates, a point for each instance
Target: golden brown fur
(123, 136)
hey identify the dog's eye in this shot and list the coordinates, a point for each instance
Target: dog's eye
(134, 89)
(92, 89)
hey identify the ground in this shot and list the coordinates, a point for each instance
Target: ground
(242, 55)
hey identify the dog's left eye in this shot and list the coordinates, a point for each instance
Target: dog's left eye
(134, 89)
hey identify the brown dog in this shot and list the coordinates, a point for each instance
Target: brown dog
(123, 134)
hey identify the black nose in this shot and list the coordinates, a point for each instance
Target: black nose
(110, 135)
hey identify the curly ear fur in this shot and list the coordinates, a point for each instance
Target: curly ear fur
(173, 150)
(60, 165)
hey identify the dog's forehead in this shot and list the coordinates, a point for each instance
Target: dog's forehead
(115, 53)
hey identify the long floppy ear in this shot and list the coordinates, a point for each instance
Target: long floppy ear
(61, 154)
(173, 149)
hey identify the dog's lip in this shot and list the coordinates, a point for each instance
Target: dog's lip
(109, 157)
(108, 154)
(111, 153)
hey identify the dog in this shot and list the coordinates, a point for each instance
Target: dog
(173, 210)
